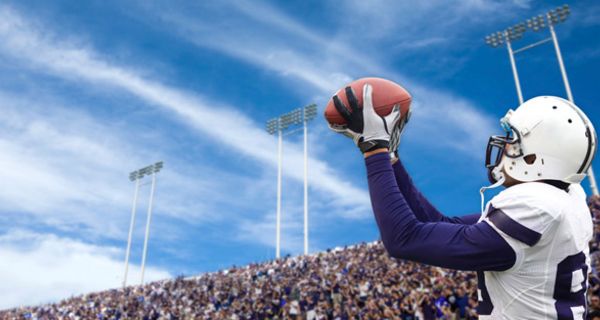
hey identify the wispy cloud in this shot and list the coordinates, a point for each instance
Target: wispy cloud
(388, 20)
(423, 43)
(49, 163)
(273, 56)
(69, 171)
(41, 268)
(262, 230)
(586, 13)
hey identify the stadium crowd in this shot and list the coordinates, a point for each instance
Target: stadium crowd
(355, 282)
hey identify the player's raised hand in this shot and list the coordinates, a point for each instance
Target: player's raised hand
(354, 120)
(369, 130)
(377, 129)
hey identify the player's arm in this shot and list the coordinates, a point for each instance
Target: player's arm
(465, 247)
(421, 207)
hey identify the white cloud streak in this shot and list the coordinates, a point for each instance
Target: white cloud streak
(69, 171)
(41, 268)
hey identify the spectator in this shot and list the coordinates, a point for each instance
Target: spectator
(593, 315)
(594, 303)
(461, 302)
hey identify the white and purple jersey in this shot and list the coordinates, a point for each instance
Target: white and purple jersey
(549, 229)
(530, 249)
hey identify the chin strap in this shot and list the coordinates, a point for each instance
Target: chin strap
(483, 189)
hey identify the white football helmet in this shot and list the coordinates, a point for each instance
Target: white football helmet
(547, 138)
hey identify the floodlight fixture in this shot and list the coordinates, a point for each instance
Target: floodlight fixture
(535, 23)
(272, 126)
(515, 32)
(495, 39)
(158, 166)
(310, 112)
(559, 14)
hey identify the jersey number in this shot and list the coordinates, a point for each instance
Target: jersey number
(570, 287)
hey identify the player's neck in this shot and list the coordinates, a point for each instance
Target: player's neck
(510, 181)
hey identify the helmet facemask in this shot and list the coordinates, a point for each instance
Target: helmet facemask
(501, 147)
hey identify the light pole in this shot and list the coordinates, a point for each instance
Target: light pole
(136, 176)
(310, 112)
(556, 16)
(133, 177)
(275, 125)
(537, 23)
(153, 170)
(279, 125)
(498, 38)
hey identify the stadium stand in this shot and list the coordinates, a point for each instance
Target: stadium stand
(354, 282)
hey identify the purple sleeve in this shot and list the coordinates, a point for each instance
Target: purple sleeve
(421, 207)
(456, 246)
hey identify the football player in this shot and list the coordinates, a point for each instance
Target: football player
(529, 245)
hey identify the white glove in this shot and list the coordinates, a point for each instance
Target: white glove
(397, 135)
(369, 130)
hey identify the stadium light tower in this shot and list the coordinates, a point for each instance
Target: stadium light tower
(136, 176)
(280, 124)
(536, 24)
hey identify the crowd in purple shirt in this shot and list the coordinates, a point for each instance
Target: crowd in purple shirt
(355, 282)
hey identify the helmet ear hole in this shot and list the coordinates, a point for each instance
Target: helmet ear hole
(530, 158)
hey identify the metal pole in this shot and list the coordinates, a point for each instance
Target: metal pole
(563, 71)
(514, 68)
(305, 185)
(560, 62)
(128, 251)
(278, 226)
(148, 226)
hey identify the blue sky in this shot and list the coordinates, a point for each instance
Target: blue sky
(90, 91)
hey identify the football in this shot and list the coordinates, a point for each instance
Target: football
(386, 94)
